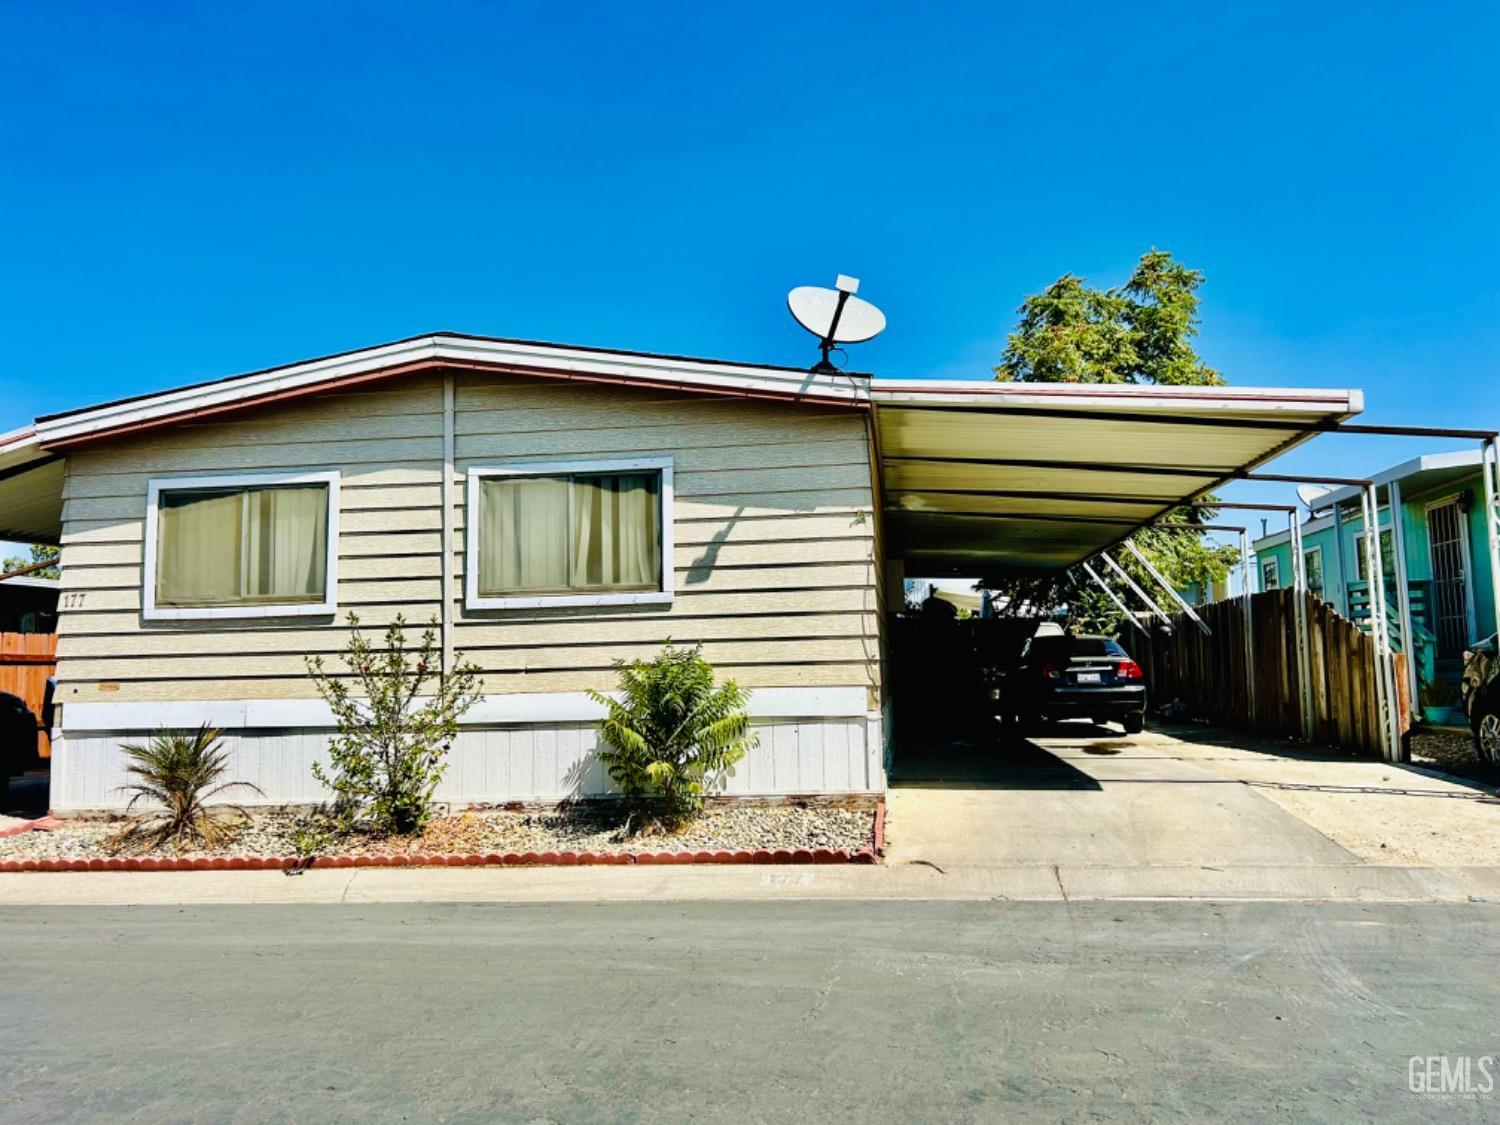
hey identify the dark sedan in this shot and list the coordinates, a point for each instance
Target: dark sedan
(1481, 694)
(1074, 678)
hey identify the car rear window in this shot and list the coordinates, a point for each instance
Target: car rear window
(1058, 647)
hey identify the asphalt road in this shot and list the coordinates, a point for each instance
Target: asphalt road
(810, 1011)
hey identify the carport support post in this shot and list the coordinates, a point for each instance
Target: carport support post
(1245, 571)
(1403, 588)
(1131, 582)
(1490, 459)
(1120, 605)
(1163, 583)
(1299, 618)
(1385, 701)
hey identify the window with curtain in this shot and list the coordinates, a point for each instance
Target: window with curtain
(233, 546)
(1270, 576)
(570, 533)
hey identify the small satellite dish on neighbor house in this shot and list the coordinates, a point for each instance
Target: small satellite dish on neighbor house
(835, 316)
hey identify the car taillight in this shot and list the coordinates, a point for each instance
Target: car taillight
(1130, 670)
(1051, 672)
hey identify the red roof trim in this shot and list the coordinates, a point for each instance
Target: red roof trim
(435, 365)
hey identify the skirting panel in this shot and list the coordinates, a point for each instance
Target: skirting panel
(490, 764)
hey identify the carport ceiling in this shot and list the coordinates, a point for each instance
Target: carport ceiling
(1026, 478)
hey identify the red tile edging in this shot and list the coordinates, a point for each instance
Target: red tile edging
(41, 824)
(870, 853)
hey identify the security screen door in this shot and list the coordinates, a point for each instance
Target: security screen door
(1450, 595)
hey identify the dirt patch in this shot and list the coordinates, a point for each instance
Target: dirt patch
(1385, 814)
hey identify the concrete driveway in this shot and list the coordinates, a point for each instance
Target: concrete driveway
(1087, 797)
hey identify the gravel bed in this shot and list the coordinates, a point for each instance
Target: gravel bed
(583, 829)
(1451, 751)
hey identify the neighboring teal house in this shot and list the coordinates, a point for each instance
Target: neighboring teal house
(1449, 587)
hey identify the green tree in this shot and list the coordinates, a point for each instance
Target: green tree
(40, 553)
(1139, 332)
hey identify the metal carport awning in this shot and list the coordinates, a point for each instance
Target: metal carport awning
(991, 479)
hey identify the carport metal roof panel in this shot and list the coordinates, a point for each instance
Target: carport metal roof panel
(987, 479)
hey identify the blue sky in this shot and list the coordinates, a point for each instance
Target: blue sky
(189, 190)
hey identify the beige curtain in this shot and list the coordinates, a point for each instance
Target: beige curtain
(198, 547)
(616, 540)
(286, 530)
(248, 545)
(523, 534)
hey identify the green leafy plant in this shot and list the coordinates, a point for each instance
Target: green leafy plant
(670, 733)
(392, 744)
(179, 772)
(1437, 693)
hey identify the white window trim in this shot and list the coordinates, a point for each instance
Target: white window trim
(327, 607)
(474, 600)
(1275, 566)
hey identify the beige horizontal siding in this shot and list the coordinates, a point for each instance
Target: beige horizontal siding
(774, 564)
(482, 636)
(548, 658)
(688, 607)
(296, 687)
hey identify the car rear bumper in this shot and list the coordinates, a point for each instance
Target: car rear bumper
(1084, 702)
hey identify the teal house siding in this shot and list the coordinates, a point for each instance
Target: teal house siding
(1452, 600)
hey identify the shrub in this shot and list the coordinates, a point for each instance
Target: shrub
(670, 733)
(1437, 693)
(178, 771)
(392, 742)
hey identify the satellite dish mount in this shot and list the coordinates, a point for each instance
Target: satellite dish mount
(835, 316)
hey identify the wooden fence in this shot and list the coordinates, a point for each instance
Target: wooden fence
(1207, 672)
(26, 660)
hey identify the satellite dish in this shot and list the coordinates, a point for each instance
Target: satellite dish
(1310, 494)
(835, 316)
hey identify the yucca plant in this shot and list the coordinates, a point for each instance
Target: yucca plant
(179, 771)
(670, 733)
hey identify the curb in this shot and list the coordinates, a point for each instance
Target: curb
(865, 854)
(870, 853)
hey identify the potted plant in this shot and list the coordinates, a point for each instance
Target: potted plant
(1437, 698)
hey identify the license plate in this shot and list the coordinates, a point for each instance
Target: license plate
(1090, 678)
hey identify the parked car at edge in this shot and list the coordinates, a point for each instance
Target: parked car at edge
(18, 738)
(1062, 677)
(1481, 695)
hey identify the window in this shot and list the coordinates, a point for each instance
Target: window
(1387, 556)
(583, 533)
(1062, 648)
(1270, 576)
(1312, 565)
(253, 546)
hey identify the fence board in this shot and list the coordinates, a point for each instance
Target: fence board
(26, 660)
(1208, 673)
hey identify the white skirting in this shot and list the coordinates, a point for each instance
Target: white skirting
(491, 764)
